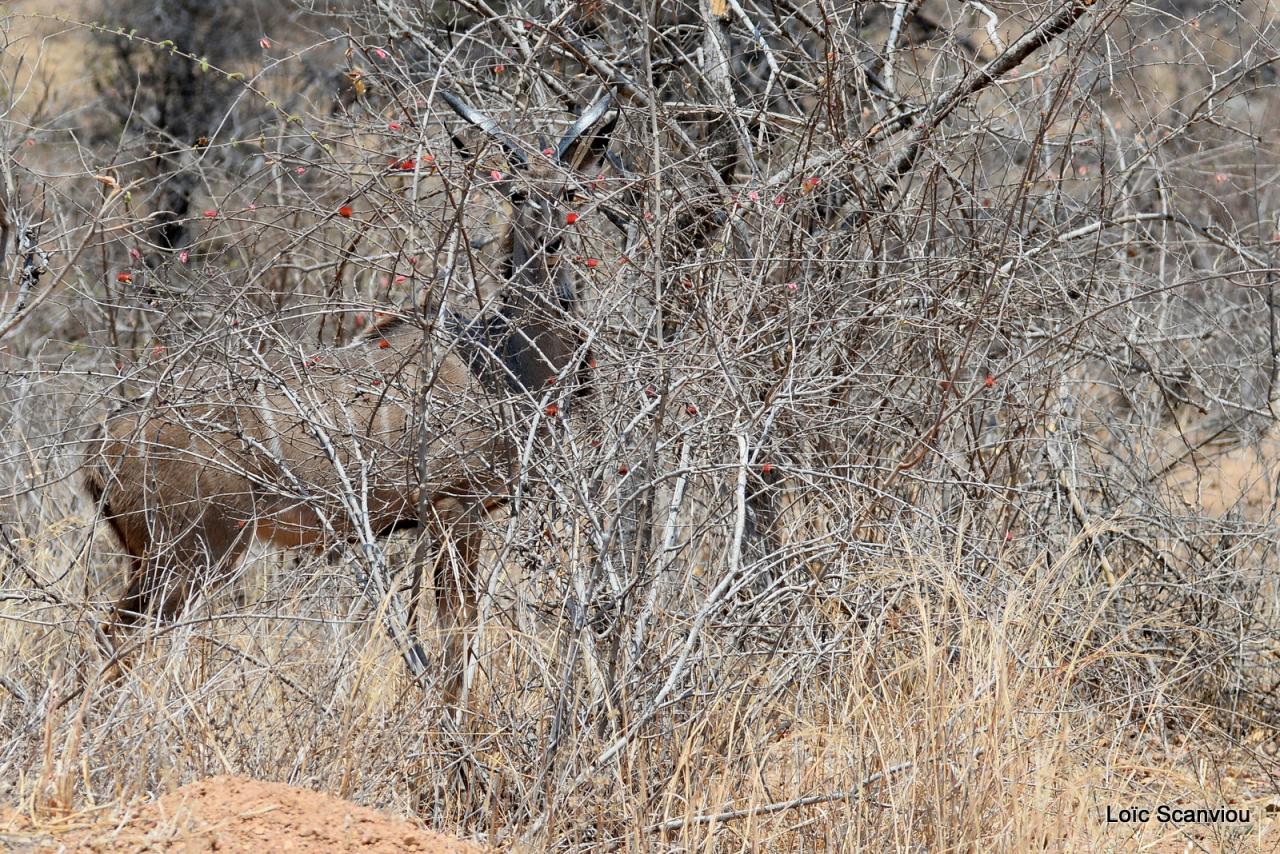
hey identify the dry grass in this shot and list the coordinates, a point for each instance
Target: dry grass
(1022, 561)
(927, 722)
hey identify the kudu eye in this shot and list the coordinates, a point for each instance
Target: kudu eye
(552, 246)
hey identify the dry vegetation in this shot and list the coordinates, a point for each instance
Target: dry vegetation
(925, 497)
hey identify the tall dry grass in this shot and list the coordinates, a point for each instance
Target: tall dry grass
(931, 718)
(963, 540)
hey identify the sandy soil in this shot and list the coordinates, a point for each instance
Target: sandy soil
(230, 815)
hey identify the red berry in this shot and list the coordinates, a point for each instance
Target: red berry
(592, 263)
(345, 211)
(767, 468)
(990, 381)
(384, 344)
(552, 410)
(570, 218)
(210, 214)
(622, 469)
(691, 409)
(124, 278)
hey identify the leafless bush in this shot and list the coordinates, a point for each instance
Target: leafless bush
(892, 314)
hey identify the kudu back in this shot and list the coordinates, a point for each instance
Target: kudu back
(404, 427)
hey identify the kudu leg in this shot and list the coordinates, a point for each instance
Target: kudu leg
(456, 526)
(165, 575)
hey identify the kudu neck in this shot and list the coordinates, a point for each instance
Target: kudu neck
(533, 333)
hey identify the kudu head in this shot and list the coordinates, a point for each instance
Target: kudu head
(534, 335)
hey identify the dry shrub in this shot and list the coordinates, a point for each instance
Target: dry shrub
(884, 525)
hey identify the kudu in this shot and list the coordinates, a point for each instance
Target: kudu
(400, 429)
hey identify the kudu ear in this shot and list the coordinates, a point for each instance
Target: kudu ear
(585, 143)
(485, 124)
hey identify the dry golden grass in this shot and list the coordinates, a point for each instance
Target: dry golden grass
(934, 708)
(930, 726)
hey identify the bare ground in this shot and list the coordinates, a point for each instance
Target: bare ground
(231, 814)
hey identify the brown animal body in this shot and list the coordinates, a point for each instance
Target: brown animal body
(405, 427)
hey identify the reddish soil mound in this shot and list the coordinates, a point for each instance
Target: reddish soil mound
(230, 815)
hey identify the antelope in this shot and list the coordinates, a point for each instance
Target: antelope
(400, 429)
